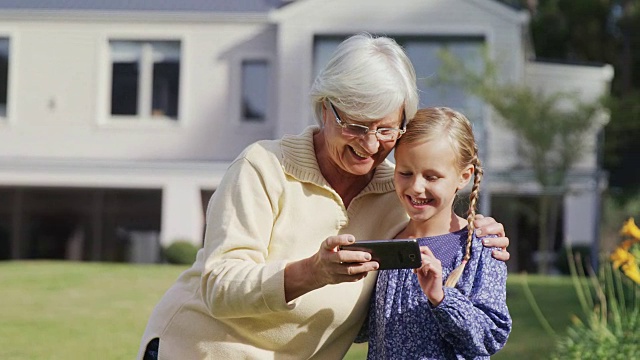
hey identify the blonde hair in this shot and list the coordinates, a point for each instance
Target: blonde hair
(367, 77)
(443, 122)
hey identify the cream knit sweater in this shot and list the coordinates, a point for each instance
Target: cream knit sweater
(272, 207)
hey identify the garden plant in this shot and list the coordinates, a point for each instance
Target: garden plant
(610, 302)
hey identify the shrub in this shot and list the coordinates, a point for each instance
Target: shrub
(181, 252)
(610, 325)
(610, 301)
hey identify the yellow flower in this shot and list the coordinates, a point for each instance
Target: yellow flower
(624, 256)
(631, 229)
(620, 257)
(631, 270)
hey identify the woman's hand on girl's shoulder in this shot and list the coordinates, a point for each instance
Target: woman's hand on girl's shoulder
(489, 226)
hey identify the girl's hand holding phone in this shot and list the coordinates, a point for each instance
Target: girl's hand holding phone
(430, 276)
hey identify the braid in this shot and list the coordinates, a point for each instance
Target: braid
(473, 200)
(456, 274)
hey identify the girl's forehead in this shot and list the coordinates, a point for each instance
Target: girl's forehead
(435, 149)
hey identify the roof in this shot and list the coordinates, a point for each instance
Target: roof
(227, 6)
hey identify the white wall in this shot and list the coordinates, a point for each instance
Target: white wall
(581, 217)
(59, 133)
(589, 83)
(60, 89)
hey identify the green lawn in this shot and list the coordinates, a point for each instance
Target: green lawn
(65, 310)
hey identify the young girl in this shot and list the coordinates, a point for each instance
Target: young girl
(416, 314)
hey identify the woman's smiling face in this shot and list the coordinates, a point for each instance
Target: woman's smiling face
(358, 155)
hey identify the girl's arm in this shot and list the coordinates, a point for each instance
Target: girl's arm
(477, 324)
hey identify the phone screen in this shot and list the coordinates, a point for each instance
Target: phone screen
(390, 254)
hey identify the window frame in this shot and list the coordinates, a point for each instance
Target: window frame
(105, 117)
(236, 90)
(243, 63)
(9, 115)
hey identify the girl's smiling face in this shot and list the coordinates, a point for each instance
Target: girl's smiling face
(427, 179)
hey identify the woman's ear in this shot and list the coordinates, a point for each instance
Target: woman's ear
(465, 176)
(325, 113)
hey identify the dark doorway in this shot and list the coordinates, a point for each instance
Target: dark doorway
(520, 216)
(80, 224)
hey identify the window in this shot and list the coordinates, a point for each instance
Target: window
(423, 53)
(145, 79)
(255, 84)
(4, 75)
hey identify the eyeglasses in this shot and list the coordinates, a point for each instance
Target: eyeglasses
(360, 131)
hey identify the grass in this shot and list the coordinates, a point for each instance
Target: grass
(557, 300)
(66, 310)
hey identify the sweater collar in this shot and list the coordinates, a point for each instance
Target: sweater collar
(299, 161)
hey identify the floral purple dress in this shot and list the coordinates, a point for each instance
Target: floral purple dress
(472, 322)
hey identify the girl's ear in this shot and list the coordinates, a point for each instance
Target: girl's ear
(465, 176)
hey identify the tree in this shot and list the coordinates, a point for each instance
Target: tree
(598, 31)
(552, 128)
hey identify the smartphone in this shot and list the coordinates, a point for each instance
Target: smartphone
(390, 254)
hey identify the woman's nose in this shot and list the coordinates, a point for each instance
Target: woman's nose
(370, 143)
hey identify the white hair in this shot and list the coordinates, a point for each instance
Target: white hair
(368, 78)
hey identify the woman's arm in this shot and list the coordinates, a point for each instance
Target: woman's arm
(239, 279)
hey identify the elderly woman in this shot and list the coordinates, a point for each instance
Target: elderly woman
(270, 281)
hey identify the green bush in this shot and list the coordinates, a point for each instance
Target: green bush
(181, 252)
(610, 325)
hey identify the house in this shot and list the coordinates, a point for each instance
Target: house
(118, 119)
